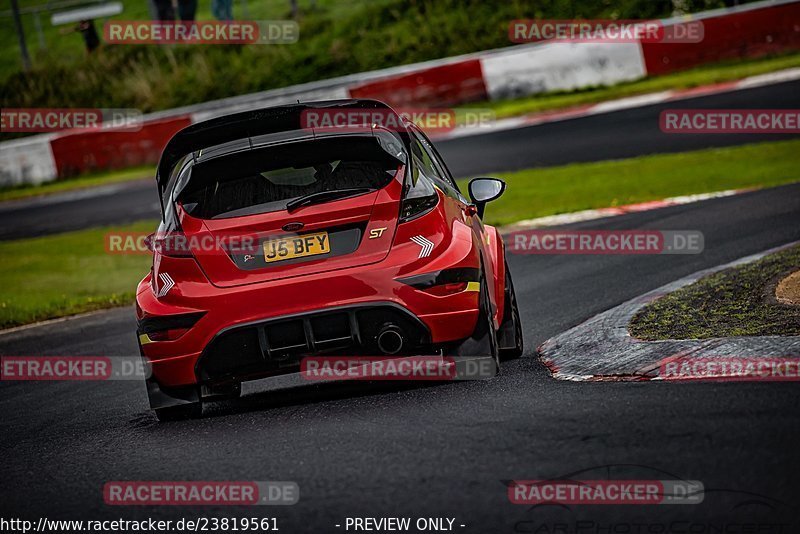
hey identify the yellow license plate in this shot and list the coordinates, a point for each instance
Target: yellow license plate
(287, 248)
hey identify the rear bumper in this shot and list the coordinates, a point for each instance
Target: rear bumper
(276, 346)
(285, 310)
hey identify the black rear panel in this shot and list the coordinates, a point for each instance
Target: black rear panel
(277, 346)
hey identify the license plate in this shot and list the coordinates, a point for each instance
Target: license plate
(301, 246)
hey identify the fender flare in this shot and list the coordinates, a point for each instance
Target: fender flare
(497, 256)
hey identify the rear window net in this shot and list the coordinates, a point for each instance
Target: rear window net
(265, 180)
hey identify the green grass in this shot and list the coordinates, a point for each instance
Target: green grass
(549, 191)
(337, 37)
(70, 184)
(70, 273)
(706, 75)
(734, 302)
(69, 48)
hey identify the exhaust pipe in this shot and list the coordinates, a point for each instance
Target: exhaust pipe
(390, 339)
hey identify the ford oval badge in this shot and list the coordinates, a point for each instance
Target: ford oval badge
(293, 226)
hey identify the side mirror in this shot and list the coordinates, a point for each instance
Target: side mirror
(483, 190)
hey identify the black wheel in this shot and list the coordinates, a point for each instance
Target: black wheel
(192, 410)
(483, 341)
(511, 342)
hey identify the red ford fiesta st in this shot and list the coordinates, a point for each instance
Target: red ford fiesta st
(280, 241)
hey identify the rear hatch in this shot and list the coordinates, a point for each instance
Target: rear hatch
(292, 209)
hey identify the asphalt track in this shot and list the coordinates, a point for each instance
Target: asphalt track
(444, 450)
(620, 134)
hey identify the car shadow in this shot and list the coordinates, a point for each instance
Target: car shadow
(311, 394)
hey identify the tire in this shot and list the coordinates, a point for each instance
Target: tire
(511, 329)
(192, 410)
(483, 341)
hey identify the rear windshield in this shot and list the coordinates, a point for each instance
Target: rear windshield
(260, 181)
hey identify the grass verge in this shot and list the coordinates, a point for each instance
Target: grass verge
(552, 190)
(735, 302)
(71, 184)
(54, 276)
(705, 75)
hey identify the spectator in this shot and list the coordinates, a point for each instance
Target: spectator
(164, 10)
(222, 9)
(90, 37)
(187, 9)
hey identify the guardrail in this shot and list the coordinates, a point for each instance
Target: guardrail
(745, 31)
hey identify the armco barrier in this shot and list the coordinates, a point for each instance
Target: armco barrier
(733, 35)
(745, 31)
(82, 151)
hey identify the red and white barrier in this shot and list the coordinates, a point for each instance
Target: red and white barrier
(750, 31)
(443, 85)
(81, 151)
(746, 31)
(560, 66)
(27, 161)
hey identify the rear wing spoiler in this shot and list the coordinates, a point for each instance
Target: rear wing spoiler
(264, 127)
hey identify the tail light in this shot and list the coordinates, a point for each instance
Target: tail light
(419, 198)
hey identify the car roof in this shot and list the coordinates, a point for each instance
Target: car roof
(246, 126)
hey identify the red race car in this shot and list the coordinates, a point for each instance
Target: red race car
(280, 240)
